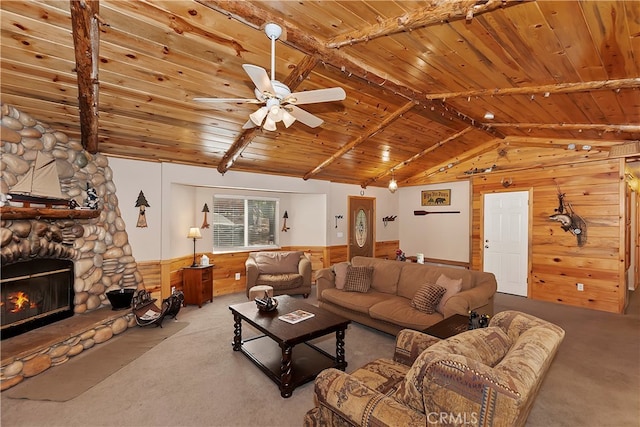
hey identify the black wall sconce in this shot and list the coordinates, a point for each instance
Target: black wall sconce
(337, 218)
(386, 219)
(284, 226)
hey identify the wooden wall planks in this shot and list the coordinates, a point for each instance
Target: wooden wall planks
(596, 191)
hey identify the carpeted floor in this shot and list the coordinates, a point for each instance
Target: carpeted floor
(69, 380)
(193, 378)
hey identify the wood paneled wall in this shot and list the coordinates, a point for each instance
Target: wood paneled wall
(160, 276)
(596, 191)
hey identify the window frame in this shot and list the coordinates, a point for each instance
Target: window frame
(246, 201)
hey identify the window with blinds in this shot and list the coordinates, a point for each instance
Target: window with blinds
(244, 223)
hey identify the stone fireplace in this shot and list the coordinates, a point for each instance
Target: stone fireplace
(93, 245)
(35, 293)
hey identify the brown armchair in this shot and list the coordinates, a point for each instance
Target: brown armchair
(287, 272)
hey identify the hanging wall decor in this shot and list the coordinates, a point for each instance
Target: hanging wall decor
(569, 220)
(205, 209)
(436, 197)
(141, 203)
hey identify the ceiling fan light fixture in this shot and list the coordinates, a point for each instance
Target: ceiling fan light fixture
(258, 116)
(287, 118)
(269, 124)
(275, 113)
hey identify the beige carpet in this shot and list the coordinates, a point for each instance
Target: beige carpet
(194, 379)
(79, 374)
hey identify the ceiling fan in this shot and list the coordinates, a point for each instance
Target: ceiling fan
(279, 103)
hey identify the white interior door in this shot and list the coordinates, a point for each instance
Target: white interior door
(506, 240)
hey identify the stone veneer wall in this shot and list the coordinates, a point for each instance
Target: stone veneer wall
(99, 247)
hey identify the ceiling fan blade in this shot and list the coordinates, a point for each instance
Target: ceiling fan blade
(249, 125)
(314, 96)
(304, 117)
(259, 77)
(229, 100)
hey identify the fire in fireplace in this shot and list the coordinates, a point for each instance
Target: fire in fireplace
(35, 293)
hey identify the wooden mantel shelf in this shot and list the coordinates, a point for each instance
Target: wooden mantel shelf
(14, 212)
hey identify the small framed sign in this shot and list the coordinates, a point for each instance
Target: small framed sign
(436, 197)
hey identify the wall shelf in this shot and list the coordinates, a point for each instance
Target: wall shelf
(14, 212)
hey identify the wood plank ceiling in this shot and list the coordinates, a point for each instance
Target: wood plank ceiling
(419, 78)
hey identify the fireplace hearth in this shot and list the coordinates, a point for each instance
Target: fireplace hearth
(35, 293)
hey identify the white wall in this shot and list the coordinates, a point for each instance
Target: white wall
(306, 221)
(177, 194)
(442, 236)
(130, 177)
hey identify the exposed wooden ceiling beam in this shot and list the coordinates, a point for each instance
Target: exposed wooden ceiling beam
(86, 39)
(436, 13)
(631, 83)
(468, 155)
(293, 80)
(360, 139)
(417, 156)
(256, 17)
(571, 126)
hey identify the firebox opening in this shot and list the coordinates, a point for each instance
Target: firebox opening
(35, 293)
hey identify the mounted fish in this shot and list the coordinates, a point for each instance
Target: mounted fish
(569, 220)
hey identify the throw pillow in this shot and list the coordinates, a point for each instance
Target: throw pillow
(340, 271)
(427, 298)
(453, 286)
(358, 279)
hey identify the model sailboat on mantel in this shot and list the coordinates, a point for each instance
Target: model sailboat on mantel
(40, 185)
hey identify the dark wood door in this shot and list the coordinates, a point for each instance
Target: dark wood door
(361, 226)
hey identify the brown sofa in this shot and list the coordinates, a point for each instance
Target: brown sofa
(386, 306)
(287, 272)
(484, 377)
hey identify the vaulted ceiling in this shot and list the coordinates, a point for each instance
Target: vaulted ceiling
(419, 78)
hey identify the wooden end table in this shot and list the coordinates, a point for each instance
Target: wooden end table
(449, 327)
(296, 361)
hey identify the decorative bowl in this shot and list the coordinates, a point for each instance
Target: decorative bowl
(271, 304)
(120, 299)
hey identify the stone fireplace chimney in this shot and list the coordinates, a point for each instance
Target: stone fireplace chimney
(96, 243)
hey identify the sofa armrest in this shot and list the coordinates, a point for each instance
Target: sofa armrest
(252, 272)
(470, 299)
(353, 401)
(410, 344)
(325, 279)
(304, 268)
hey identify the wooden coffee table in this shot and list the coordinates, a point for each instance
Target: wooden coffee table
(449, 327)
(284, 353)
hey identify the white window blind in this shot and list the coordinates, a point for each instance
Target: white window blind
(241, 223)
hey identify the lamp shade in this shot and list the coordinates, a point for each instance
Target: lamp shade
(194, 233)
(258, 116)
(287, 118)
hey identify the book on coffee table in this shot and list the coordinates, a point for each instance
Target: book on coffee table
(296, 316)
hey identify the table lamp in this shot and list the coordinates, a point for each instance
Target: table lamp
(194, 233)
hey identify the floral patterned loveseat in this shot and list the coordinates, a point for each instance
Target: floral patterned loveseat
(487, 377)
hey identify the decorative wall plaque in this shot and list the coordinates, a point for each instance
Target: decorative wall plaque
(436, 197)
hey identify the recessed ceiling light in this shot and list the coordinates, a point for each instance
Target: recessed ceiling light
(489, 115)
